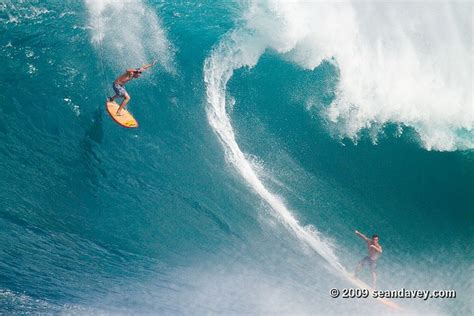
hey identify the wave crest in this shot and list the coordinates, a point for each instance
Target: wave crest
(408, 64)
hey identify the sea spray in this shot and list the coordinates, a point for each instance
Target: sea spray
(129, 33)
(397, 63)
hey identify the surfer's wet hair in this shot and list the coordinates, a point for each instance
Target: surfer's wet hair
(375, 236)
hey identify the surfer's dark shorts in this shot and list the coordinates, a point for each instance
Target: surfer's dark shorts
(119, 90)
(371, 263)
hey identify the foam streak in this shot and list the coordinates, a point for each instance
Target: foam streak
(236, 51)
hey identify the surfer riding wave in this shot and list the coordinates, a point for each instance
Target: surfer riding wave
(119, 85)
(374, 249)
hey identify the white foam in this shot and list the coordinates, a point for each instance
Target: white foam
(403, 63)
(129, 33)
(408, 64)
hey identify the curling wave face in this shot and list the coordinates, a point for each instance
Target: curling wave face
(407, 64)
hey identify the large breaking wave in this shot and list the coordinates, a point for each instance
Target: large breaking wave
(397, 73)
(398, 63)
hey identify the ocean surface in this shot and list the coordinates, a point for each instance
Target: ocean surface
(269, 132)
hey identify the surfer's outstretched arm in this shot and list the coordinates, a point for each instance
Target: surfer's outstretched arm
(358, 233)
(133, 71)
(146, 66)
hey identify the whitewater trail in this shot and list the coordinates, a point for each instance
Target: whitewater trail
(235, 52)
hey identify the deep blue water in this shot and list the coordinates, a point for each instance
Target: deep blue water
(97, 219)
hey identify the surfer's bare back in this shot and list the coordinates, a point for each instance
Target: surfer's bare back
(120, 82)
(375, 249)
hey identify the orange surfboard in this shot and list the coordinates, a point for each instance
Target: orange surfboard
(126, 118)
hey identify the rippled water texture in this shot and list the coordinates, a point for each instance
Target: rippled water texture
(269, 132)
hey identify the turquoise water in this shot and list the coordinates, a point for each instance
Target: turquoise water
(257, 156)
